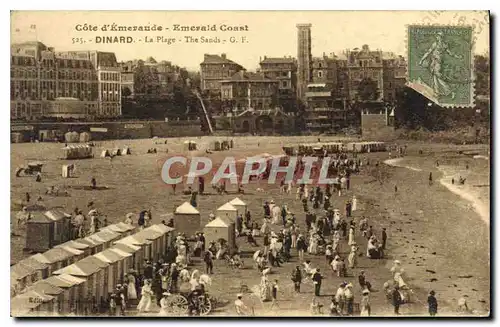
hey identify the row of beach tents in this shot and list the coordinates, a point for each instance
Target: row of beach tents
(188, 220)
(75, 137)
(335, 147)
(80, 151)
(115, 152)
(77, 276)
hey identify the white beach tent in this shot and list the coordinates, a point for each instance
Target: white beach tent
(239, 205)
(105, 153)
(220, 229)
(229, 211)
(187, 219)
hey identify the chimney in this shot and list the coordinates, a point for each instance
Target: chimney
(223, 55)
(265, 57)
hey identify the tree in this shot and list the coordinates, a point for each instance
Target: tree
(482, 67)
(368, 90)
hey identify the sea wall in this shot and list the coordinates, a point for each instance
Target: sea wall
(108, 130)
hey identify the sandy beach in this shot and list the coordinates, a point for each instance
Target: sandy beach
(441, 240)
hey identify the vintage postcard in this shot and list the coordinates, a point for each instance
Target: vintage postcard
(250, 164)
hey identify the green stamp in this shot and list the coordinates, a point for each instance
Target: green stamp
(440, 64)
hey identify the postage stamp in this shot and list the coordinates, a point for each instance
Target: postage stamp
(441, 64)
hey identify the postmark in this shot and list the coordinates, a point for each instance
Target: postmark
(441, 63)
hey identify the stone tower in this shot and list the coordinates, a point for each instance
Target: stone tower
(304, 58)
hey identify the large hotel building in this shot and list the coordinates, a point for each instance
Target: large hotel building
(77, 84)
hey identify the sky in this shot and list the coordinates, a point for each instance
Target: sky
(270, 33)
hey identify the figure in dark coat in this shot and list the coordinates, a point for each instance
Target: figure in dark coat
(433, 304)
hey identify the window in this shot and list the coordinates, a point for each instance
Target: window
(320, 74)
(284, 84)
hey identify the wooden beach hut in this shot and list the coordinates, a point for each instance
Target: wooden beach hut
(132, 262)
(187, 219)
(75, 244)
(108, 236)
(73, 292)
(228, 212)
(220, 228)
(96, 241)
(167, 237)
(31, 304)
(95, 272)
(21, 277)
(129, 229)
(41, 269)
(45, 230)
(43, 287)
(143, 252)
(55, 258)
(115, 269)
(157, 251)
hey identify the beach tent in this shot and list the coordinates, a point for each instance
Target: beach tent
(187, 219)
(216, 145)
(75, 244)
(73, 292)
(143, 244)
(95, 272)
(124, 265)
(55, 258)
(130, 229)
(31, 304)
(105, 153)
(116, 152)
(227, 211)
(126, 151)
(134, 250)
(72, 137)
(42, 269)
(115, 228)
(239, 205)
(21, 277)
(108, 236)
(220, 229)
(77, 254)
(100, 243)
(84, 137)
(157, 251)
(115, 269)
(43, 287)
(167, 237)
(45, 230)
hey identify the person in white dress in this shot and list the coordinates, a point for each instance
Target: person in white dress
(313, 244)
(131, 291)
(365, 304)
(351, 236)
(265, 288)
(146, 294)
(194, 281)
(354, 203)
(164, 305)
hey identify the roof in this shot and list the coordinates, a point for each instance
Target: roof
(40, 218)
(278, 60)
(109, 256)
(33, 263)
(44, 287)
(20, 271)
(187, 209)
(216, 59)
(129, 248)
(85, 267)
(161, 228)
(237, 201)
(115, 228)
(74, 244)
(71, 250)
(120, 251)
(125, 226)
(133, 240)
(243, 76)
(53, 255)
(107, 235)
(150, 234)
(56, 214)
(217, 222)
(96, 239)
(227, 207)
(64, 280)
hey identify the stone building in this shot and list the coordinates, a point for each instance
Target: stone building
(284, 70)
(263, 122)
(215, 69)
(245, 90)
(39, 76)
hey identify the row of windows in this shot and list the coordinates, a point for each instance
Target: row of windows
(61, 63)
(110, 77)
(66, 74)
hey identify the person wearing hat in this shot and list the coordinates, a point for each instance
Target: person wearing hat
(353, 255)
(301, 246)
(340, 297)
(349, 299)
(241, 308)
(433, 304)
(317, 279)
(365, 304)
